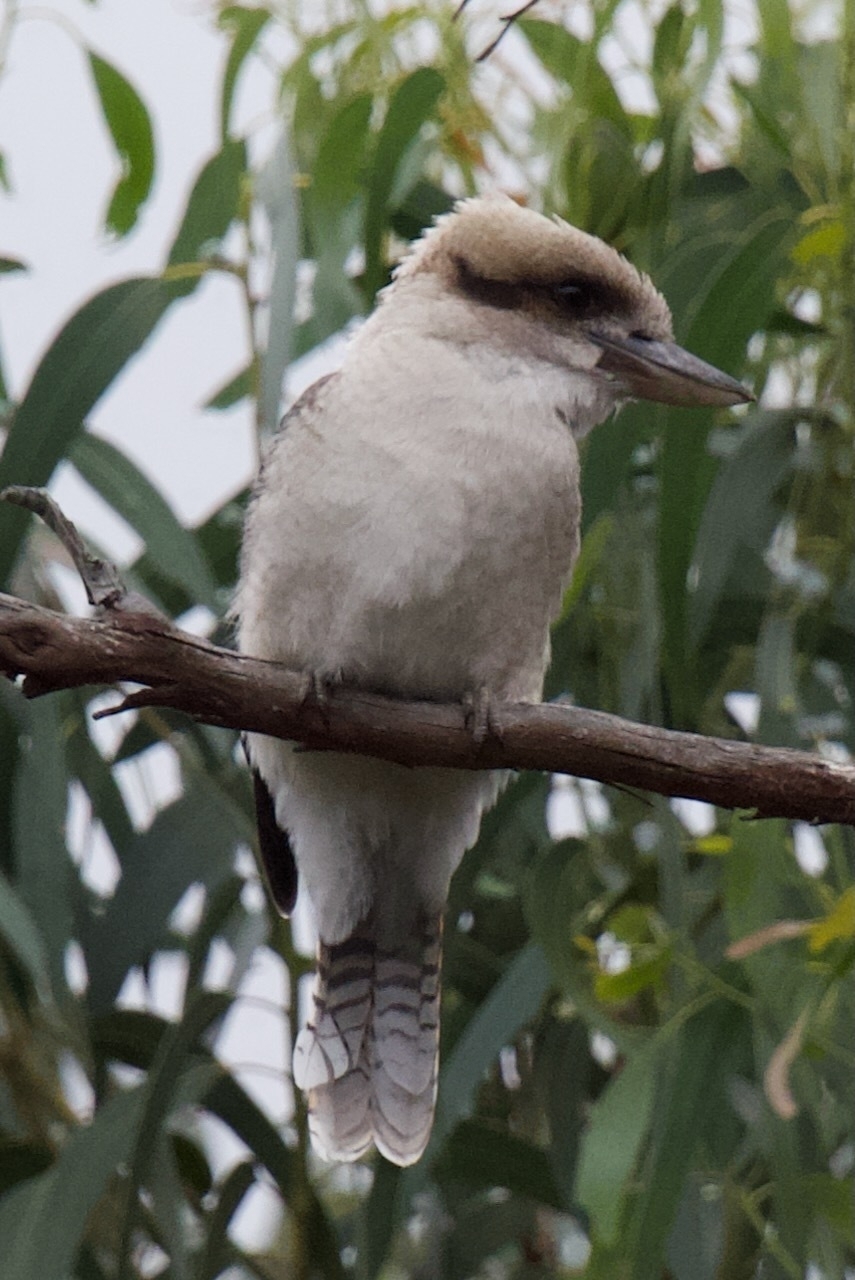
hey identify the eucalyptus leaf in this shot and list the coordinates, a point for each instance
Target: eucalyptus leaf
(130, 127)
(86, 356)
(611, 1147)
(742, 509)
(42, 1221)
(413, 103)
(479, 1156)
(276, 190)
(193, 839)
(19, 932)
(212, 206)
(233, 391)
(246, 25)
(513, 1001)
(173, 550)
(44, 873)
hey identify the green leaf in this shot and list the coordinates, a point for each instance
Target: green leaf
(88, 353)
(513, 1001)
(44, 873)
(332, 215)
(741, 511)
(838, 923)
(594, 547)
(218, 908)
(563, 1076)
(696, 1241)
(412, 104)
(175, 1079)
(168, 1206)
(212, 206)
(335, 178)
(671, 45)
(233, 391)
(227, 1100)
(13, 713)
(646, 970)
(42, 1221)
(557, 904)
(8, 265)
(130, 128)
(246, 25)
(136, 1038)
(686, 470)
(230, 1194)
(481, 1157)
(192, 840)
(611, 1146)
(20, 1161)
(691, 1094)
(763, 882)
(726, 305)
(828, 240)
(86, 764)
(833, 1199)
(776, 680)
(276, 190)
(219, 538)
(173, 550)
(574, 62)
(379, 1218)
(19, 932)
(608, 460)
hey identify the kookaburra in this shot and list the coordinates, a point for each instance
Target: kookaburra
(412, 532)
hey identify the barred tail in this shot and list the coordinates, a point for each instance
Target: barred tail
(368, 1058)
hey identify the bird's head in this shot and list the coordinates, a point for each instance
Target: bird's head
(543, 289)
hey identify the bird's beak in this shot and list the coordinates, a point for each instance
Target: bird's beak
(664, 372)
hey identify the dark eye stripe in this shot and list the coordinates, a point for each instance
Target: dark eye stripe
(586, 297)
(494, 293)
(577, 298)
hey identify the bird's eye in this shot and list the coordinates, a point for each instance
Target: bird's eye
(573, 297)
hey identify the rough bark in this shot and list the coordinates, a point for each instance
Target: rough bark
(216, 686)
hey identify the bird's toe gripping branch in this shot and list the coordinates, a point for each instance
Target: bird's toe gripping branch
(479, 717)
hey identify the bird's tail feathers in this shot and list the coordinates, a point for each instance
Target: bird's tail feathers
(368, 1058)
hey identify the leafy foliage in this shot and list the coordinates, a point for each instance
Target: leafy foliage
(661, 1106)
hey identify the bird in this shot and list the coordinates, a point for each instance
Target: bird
(412, 532)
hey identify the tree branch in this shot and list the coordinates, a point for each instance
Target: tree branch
(508, 20)
(219, 687)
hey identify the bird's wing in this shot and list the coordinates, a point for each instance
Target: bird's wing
(277, 856)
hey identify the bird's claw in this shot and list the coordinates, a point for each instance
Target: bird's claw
(477, 712)
(315, 689)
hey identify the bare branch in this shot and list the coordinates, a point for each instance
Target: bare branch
(129, 640)
(99, 577)
(219, 687)
(508, 19)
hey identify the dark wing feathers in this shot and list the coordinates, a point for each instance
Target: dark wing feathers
(277, 858)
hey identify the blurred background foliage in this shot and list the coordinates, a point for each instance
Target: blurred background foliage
(619, 1096)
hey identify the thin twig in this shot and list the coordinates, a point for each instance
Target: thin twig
(105, 590)
(104, 587)
(508, 19)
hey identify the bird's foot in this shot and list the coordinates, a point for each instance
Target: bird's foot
(478, 715)
(315, 690)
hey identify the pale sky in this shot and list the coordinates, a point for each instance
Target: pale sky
(62, 167)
